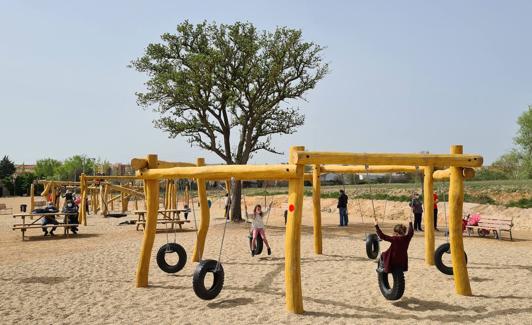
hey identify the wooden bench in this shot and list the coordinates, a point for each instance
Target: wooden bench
(494, 224)
(35, 225)
(4, 210)
(169, 216)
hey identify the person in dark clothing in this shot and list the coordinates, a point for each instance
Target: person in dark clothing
(397, 255)
(49, 220)
(417, 209)
(71, 207)
(342, 207)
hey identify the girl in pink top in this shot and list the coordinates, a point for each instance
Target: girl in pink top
(257, 226)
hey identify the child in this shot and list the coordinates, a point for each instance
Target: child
(257, 226)
(71, 207)
(396, 256)
(417, 209)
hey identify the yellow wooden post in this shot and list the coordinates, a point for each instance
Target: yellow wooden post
(32, 197)
(82, 217)
(152, 209)
(316, 207)
(167, 194)
(428, 202)
(54, 193)
(294, 294)
(204, 218)
(456, 202)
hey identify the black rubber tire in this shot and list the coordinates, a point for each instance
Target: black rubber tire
(438, 255)
(171, 248)
(398, 289)
(372, 246)
(259, 244)
(198, 280)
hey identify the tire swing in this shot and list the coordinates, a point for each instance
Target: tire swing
(171, 248)
(396, 291)
(444, 248)
(259, 242)
(438, 258)
(209, 266)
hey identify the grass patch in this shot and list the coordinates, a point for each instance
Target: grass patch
(525, 203)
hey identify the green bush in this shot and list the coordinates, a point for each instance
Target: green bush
(525, 203)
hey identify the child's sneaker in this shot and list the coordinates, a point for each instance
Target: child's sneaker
(269, 251)
(252, 252)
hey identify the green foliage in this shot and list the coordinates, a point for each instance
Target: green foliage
(7, 168)
(489, 173)
(524, 203)
(23, 183)
(481, 198)
(47, 169)
(72, 167)
(524, 135)
(214, 83)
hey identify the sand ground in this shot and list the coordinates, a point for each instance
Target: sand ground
(89, 278)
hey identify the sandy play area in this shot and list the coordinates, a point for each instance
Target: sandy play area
(89, 278)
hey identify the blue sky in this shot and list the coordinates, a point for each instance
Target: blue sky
(406, 76)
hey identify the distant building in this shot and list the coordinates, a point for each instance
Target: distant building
(24, 169)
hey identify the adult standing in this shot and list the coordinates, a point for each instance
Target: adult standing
(417, 209)
(342, 207)
(436, 211)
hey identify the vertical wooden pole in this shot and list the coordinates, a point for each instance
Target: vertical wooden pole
(82, 217)
(428, 202)
(294, 294)
(204, 218)
(456, 202)
(316, 207)
(54, 192)
(152, 202)
(32, 197)
(174, 192)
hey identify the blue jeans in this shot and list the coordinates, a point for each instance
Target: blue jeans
(343, 216)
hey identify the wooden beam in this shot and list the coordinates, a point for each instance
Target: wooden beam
(410, 159)
(141, 163)
(123, 189)
(445, 174)
(358, 169)
(204, 217)
(292, 264)
(316, 209)
(215, 172)
(428, 202)
(456, 202)
(152, 205)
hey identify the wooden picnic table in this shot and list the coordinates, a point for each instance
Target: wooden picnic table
(168, 216)
(36, 225)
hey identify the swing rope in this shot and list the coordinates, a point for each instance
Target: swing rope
(371, 193)
(193, 211)
(223, 238)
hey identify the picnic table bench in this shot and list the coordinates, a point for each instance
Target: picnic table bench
(494, 224)
(168, 216)
(36, 225)
(4, 209)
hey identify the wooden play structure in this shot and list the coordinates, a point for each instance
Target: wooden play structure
(151, 170)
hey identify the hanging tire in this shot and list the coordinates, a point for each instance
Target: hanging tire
(258, 244)
(372, 246)
(198, 280)
(397, 290)
(169, 249)
(438, 258)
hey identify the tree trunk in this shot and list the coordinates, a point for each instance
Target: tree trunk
(236, 211)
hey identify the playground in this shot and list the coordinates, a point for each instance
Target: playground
(91, 278)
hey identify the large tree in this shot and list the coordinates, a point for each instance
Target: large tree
(227, 88)
(7, 169)
(47, 168)
(524, 140)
